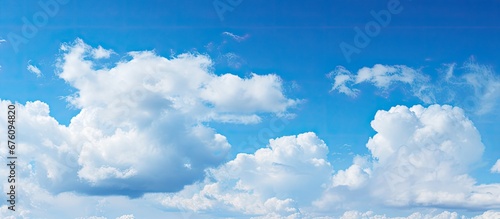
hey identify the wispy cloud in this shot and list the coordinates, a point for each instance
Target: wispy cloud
(485, 84)
(33, 69)
(496, 168)
(382, 77)
(342, 78)
(236, 37)
(233, 60)
(223, 54)
(473, 86)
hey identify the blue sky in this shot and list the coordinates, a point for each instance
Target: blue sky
(253, 109)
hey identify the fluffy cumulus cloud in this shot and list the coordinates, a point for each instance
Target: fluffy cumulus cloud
(472, 86)
(151, 108)
(426, 161)
(355, 176)
(275, 181)
(421, 157)
(142, 125)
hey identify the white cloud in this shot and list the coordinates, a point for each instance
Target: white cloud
(422, 157)
(33, 69)
(101, 53)
(270, 183)
(449, 71)
(485, 85)
(230, 93)
(472, 86)
(159, 104)
(488, 214)
(355, 176)
(236, 37)
(496, 167)
(150, 109)
(233, 60)
(382, 77)
(341, 77)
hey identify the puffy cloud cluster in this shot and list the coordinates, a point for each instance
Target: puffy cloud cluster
(422, 157)
(274, 181)
(142, 122)
(152, 108)
(426, 161)
(472, 86)
(355, 176)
